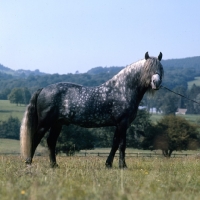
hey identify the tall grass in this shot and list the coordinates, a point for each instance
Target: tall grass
(87, 178)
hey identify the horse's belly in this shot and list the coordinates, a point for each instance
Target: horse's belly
(92, 121)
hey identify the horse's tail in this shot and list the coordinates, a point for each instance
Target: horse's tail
(28, 127)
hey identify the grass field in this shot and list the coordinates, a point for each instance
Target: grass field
(8, 146)
(87, 178)
(7, 109)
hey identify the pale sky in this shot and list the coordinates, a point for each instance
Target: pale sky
(62, 36)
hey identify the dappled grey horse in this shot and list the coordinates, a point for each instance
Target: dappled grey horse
(114, 103)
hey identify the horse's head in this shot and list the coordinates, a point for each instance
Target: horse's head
(155, 69)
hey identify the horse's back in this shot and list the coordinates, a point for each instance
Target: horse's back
(76, 104)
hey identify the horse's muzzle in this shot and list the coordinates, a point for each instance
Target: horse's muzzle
(155, 81)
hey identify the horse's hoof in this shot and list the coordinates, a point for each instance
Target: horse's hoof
(54, 165)
(28, 161)
(108, 165)
(123, 166)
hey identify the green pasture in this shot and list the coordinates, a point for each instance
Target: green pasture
(9, 146)
(8, 109)
(195, 119)
(196, 81)
(87, 178)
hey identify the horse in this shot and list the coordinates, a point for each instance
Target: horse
(114, 103)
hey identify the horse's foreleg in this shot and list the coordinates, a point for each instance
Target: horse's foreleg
(51, 141)
(122, 143)
(114, 148)
(122, 148)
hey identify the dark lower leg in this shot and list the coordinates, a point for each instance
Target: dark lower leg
(122, 144)
(114, 148)
(111, 156)
(51, 141)
(122, 148)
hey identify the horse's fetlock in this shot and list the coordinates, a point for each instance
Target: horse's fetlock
(54, 165)
(28, 161)
(108, 165)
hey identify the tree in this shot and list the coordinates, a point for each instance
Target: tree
(170, 103)
(193, 108)
(103, 136)
(137, 129)
(4, 94)
(181, 101)
(195, 105)
(10, 128)
(172, 133)
(26, 95)
(19, 96)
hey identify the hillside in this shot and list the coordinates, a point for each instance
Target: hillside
(178, 72)
(104, 70)
(19, 72)
(192, 62)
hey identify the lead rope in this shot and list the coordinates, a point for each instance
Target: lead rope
(179, 94)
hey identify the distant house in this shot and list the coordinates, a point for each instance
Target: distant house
(155, 111)
(181, 111)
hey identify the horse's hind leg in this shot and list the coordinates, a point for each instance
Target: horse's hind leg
(36, 140)
(122, 148)
(51, 141)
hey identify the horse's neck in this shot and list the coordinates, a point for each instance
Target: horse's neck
(130, 71)
(127, 80)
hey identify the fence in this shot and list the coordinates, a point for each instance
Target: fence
(135, 154)
(101, 154)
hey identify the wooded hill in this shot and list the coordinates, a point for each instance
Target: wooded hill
(177, 72)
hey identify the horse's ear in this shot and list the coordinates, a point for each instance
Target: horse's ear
(146, 55)
(160, 56)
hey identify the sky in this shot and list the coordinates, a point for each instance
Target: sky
(65, 36)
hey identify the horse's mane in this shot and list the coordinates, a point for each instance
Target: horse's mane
(130, 69)
(140, 72)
